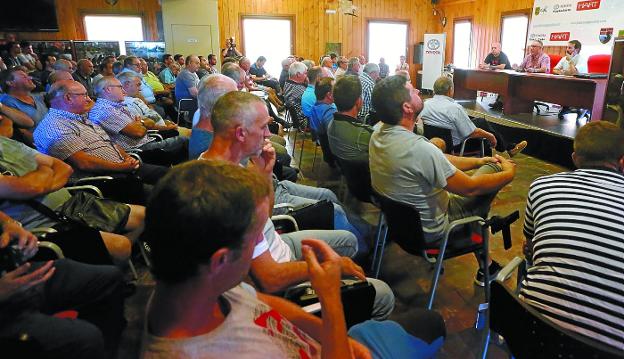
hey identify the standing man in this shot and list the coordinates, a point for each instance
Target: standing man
(536, 60)
(496, 59)
(384, 70)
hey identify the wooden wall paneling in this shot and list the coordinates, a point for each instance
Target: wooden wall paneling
(70, 12)
(314, 27)
(486, 21)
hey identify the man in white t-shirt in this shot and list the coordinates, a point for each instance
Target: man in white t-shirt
(240, 121)
(572, 63)
(200, 308)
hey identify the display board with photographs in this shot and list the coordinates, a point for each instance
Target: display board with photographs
(95, 50)
(53, 47)
(150, 50)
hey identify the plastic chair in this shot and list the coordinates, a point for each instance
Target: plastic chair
(186, 107)
(404, 228)
(529, 334)
(445, 134)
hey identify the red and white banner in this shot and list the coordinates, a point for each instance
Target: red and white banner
(593, 22)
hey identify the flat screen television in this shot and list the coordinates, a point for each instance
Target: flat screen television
(30, 15)
(146, 49)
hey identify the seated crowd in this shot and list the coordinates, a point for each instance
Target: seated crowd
(199, 204)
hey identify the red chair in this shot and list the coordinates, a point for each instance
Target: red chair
(554, 60)
(599, 64)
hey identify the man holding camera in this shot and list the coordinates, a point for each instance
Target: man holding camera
(230, 49)
(30, 293)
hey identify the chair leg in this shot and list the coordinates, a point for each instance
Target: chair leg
(135, 275)
(436, 274)
(314, 159)
(301, 152)
(380, 244)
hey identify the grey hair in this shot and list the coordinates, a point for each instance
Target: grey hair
(296, 68)
(442, 85)
(352, 62)
(126, 77)
(58, 89)
(211, 88)
(309, 63)
(371, 67)
(232, 70)
(101, 84)
(286, 62)
(63, 65)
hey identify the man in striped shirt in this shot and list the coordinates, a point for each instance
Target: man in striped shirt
(574, 227)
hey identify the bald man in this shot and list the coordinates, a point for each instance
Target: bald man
(496, 59)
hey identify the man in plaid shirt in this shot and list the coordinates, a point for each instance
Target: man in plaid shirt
(368, 79)
(126, 130)
(66, 133)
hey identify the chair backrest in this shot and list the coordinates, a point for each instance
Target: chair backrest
(443, 133)
(357, 175)
(554, 60)
(599, 64)
(528, 334)
(404, 226)
(187, 105)
(296, 121)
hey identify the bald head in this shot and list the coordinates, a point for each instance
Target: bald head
(211, 88)
(496, 48)
(69, 95)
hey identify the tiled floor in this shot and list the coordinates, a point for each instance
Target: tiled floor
(457, 298)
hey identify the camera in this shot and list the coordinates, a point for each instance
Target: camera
(232, 43)
(11, 257)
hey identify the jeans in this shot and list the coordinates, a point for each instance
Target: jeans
(95, 292)
(296, 194)
(342, 242)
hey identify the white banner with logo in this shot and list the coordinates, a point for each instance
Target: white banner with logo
(433, 59)
(592, 22)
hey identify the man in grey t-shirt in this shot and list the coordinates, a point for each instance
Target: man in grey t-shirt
(406, 167)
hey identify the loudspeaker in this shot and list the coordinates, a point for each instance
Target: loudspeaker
(434, 2)
(418, 53)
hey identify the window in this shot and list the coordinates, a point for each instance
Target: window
(268, 37)
(113, 27)
(462, 43)
(513, 37)
(387, 40)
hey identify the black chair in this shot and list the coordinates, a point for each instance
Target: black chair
(529, 334)
(358, 178)
(300, 125)
(445, 134)
(186, 109)
(404, 228)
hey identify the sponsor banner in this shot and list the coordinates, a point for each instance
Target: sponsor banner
(433, 59)
(592, 22)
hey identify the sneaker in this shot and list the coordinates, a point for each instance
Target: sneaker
(480, 278)
(517, 148)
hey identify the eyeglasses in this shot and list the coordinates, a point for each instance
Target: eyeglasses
(118, 86)
(85, 95)
(136, 64)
